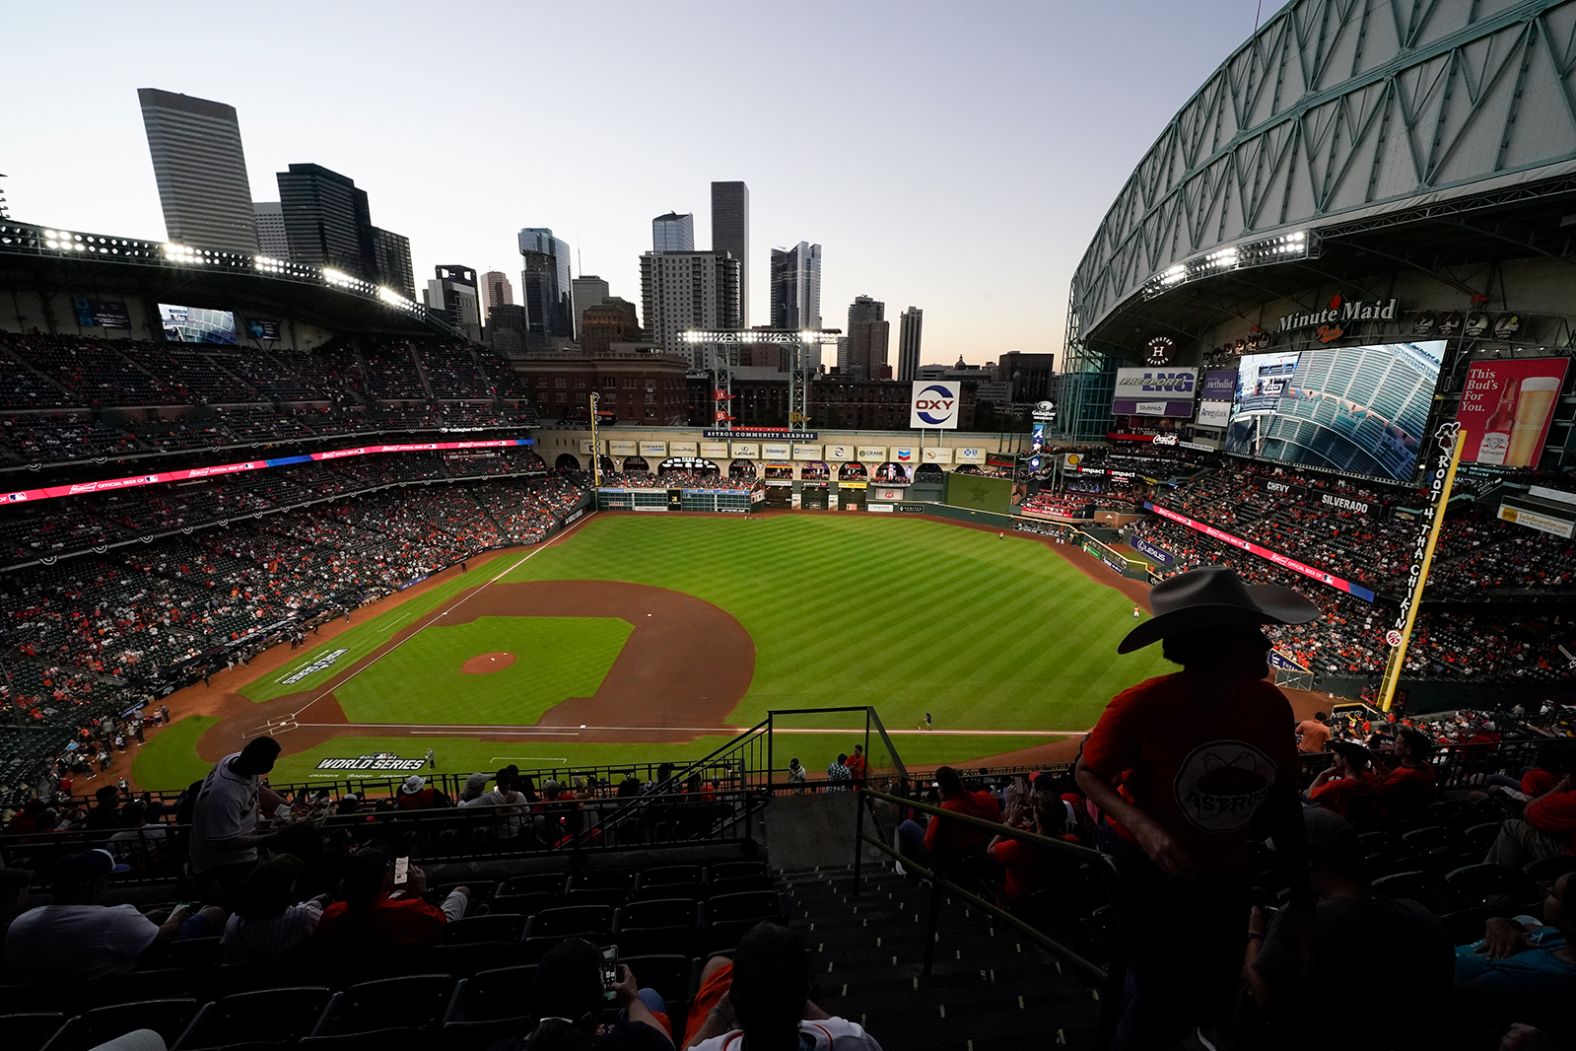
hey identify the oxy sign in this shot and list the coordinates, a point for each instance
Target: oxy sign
(934, 405)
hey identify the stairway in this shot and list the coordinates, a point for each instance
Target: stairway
(989, 988)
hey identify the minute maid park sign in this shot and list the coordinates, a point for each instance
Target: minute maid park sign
(1330, 322)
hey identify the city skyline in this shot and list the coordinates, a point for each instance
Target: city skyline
(977, 140)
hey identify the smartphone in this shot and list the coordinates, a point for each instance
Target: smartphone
(401, 871)
(609, 971)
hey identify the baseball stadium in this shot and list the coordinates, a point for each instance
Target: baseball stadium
(719, 671)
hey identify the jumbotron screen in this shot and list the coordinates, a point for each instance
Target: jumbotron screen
(1357, 409)
(197, 325)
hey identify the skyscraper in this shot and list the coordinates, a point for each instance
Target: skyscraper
(200, 169)
(909, 325)
(587, 291)
(271, 239)
(611, 321)
(391, 262)
(730, 232)
(796, 287)
(544, 287)
(451, 293)
(327, 219)
(687, 290)
(496, 291)
(673, 233)
(868, 332)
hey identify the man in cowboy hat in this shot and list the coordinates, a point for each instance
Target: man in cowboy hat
(1179, 765)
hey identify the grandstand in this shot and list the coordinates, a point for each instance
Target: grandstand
(172, 510)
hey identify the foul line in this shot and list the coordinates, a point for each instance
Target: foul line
(522, 560)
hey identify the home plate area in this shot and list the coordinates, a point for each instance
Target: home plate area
(487, 663)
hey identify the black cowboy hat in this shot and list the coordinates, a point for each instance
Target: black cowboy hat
(1214, 597)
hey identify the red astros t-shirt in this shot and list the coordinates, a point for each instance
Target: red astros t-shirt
(1199, 768)
(1337, 795)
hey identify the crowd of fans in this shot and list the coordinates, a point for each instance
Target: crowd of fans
(1366, 534)
(678, 480)
(1349, 637)
(70, 398)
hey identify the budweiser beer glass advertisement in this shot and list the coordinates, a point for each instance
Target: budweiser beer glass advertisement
(1506, 407)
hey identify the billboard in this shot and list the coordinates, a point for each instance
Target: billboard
(622, 447)
(934, 404)
(656, 449)
(1155, 391)
(261, 328)
(714, 450)
(100, 313)
(683, 449)
(839, 453)
(937, 454)
(1216, 394)
(197, 325)
(970, 454)
(806, 452)
(746, 450)
(1154, 551)
(1359, 410)
(1260, 380)
(776, 450)
(1506, 408)
(870, 455)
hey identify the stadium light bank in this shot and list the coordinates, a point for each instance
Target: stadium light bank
(1281, 248)
(26, 239)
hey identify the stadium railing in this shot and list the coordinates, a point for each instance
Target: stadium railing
(158, 853)
(1093, 864)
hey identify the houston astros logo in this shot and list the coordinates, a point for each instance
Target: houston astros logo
(1220, 784)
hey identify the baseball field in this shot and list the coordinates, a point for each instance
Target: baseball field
(633, 638)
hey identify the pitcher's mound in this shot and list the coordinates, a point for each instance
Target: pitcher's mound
(487, 663)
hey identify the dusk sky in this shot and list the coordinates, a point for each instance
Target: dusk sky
(955, 157)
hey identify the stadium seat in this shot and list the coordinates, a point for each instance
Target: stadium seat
(168, 1018)
(496, 993)
(29, 1031)
(526, 904)
(465, 958)
(572, 921)
(492, 927)
(411, 1001)
(721, 870)
(1430, 845)
(193, 953)
(730, 915)
(534, 883)
(268, 1015)
(611, 896)
(667, 875)
(600, 879)
(370, 1040)
(1492, 889)
(138, 985)
(657, 912)
(697, 890)
(668, 973)
(1476, 840)
(1547, 870)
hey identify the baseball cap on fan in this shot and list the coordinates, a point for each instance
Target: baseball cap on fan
(89, 865)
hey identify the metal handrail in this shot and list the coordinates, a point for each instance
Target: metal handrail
(1106, 867)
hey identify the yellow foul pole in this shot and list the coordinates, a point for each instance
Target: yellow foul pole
(1449, 440)
(596, 454)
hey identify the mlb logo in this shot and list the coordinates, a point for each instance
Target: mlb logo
(150, 478)
(905, 455)
(16, 498)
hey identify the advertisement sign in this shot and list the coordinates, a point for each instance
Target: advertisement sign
(882, 493)
(714, 450)
(1330, 324)
(934, 404)
(101, 313)
(780, 433)
(1154, 391)
(1561, 527)
(585, 447)
(1506, 409)
(656, 449)
(1217, 394)
(969, 454)
(1312, 573)
(1154, 551)
(262, 329)
(192, 474)
(197, 325)
(839, 453)
(622, 447)
(683, 449)
(872, 454)
(806, 452)
(776, 450)
(937, 454)
(1306, 493)
(1369, 406)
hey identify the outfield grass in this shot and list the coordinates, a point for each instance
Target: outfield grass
(905, 614)
(169, 758)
